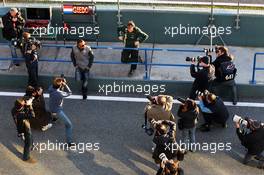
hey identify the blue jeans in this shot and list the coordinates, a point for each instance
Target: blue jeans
(189, 134)
(68, 125)
(82, 75)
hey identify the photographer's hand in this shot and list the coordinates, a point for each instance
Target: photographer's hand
(193, 62)
(121, 38)
(237, 125)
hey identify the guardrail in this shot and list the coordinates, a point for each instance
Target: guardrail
(253, 81)
(145, 63)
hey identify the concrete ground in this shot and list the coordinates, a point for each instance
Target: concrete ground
(124, 147)
(243, 59)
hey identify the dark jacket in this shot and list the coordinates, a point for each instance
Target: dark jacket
(162, 141)
(161, 172)
(217, 64)
(188, 118)
(131, 37)
(43, 117)
(19, 116)
(253, 141)
(11, 29)
(220, 113)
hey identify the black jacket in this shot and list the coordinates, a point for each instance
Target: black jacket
(202, 77)
(11, 29)
(19, 116)
(217, 63)
(220, 113)
(253, 141)
(188, 118)
(131, 37)
(162, 141)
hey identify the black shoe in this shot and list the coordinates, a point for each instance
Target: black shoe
(205, 128)
(84, 97)
(54, 119)
(224, 125)
(234, 102)
(17, 64)
(131, 73)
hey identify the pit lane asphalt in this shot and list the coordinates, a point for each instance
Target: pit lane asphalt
(124, 147)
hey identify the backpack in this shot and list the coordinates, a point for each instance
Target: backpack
(227, 71)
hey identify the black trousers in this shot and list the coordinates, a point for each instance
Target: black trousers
(210, 118)
(231, 84)
(129, 56)
(32, 69)
(28, 141)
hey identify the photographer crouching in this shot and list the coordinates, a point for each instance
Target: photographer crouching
(203, 76)
(22, 112)
(251, 134)
(213, 109)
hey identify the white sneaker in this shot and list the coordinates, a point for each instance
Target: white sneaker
(45, 128)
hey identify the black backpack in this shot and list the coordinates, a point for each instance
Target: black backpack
(228, 71)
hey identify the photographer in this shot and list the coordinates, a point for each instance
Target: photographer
(213, 109)
(158, 108)
(202, 76)
(132, 36)
(57, 94)
(82, 58)
(169, 167)
(13, 28)
(188, 113)
(253, 140)
(165, 139)
(30, 49)
(13, 25)
(225, 71)
(42, 120)
(22, 113)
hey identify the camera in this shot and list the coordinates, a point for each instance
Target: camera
(182, 100)
(193, 59)
(33, 41)
(202, 94)
(15, 42)
(148, 131)
(208, 50)
(240, 120)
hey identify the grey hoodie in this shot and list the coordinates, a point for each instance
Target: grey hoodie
(56, 98)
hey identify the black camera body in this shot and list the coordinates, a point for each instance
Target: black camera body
(148, 131)
(182, 100)
(193, 59)
(33, 41)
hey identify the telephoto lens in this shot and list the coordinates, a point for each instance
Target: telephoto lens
(190, 59)
(240, 120)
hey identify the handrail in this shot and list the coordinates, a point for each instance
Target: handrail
(145, 63)
(253, 81)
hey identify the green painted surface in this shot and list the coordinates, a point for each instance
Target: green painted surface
(154, 23)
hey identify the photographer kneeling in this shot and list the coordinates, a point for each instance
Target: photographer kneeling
(213, 109)
(251, 134)
(202, 76)
(165, 141)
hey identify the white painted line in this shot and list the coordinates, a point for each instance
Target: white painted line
(128, 99)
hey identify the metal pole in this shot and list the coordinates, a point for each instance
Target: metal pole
(146, 66)
(238, 17)
(254, 67)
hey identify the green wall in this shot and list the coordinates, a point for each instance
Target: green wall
(250, 34)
